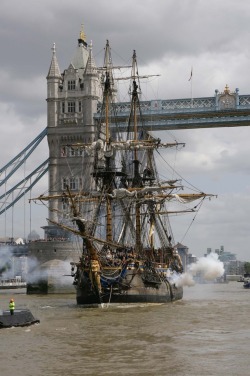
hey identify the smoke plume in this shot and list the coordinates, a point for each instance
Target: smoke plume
(206, 269)
(6, 262)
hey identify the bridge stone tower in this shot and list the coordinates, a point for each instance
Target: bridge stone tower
(72, 99)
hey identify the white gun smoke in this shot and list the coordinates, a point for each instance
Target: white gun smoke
(6, 262)
(57, 270)
(207, 268)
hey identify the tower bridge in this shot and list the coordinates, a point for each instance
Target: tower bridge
(225, 109)
(73, 111)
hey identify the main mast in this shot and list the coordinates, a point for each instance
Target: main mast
(137, 177)
(107, 98)
(108, 174)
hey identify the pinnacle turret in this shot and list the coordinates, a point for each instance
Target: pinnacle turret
(54, 70)
(91, 66)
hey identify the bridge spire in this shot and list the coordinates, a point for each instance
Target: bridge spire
(227, 90)
(91, 66)
(54, 70)
(82, 36)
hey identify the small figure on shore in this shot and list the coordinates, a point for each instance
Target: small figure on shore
(12, 306)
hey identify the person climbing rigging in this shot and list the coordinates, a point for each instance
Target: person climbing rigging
(12, 306)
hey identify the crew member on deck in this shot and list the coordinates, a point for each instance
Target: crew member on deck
(12, 306)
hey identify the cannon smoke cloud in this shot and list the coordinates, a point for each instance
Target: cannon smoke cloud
(207, 268)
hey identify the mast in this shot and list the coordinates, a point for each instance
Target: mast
(107, 175)
(107, 99)
(107, 87)
(137, 178)
(134, 99)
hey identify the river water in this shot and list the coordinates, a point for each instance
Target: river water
(207, 333)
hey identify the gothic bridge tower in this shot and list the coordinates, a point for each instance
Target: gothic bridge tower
(72, 99)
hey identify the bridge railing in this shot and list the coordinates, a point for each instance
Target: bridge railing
(186, 105)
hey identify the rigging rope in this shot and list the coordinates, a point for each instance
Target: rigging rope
(174, 171)
(199, 205)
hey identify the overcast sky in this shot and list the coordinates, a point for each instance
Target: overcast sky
(170, 37)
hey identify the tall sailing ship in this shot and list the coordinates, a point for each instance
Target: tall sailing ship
(128, 251)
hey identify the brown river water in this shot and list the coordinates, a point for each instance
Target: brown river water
(207, 333)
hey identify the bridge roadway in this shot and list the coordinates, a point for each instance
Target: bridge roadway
(225, 109)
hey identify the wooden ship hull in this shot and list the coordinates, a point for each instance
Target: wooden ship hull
(132, 285)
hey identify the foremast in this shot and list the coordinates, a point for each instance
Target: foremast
(137, 177)
(107, 176)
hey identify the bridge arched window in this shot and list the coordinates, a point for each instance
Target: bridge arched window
(72, 152)
(64, 184)
(71, 107)
(71, 85)
(72, 184)
(75, 152)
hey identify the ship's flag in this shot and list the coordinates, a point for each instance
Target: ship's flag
(191, 74)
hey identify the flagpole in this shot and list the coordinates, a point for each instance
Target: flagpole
(191, 85)
(192, 92)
